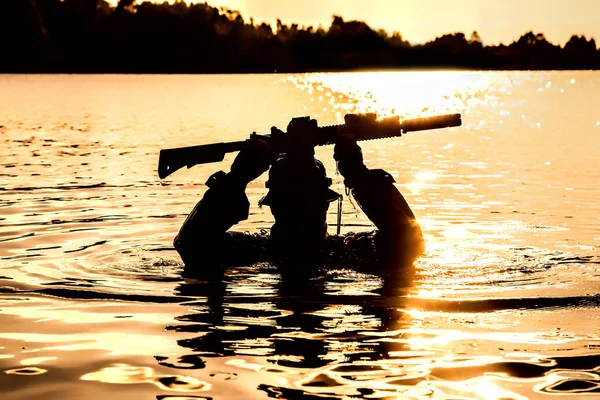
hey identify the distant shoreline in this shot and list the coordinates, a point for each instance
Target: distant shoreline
(162, 38)
(374, 70)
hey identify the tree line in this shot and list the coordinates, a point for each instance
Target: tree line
(92, 36)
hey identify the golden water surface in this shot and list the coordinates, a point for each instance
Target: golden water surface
(505, 304)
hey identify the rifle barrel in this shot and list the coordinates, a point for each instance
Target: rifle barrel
(435, 122)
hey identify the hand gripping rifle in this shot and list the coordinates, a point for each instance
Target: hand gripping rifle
(362, 126)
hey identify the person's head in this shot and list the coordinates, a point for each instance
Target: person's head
(299, 196)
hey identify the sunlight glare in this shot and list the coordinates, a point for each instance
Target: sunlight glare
(421, 181)
(129, 374)
(457, 232)
(409, 94)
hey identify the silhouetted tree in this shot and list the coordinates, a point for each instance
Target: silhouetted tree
(397, 41)
(22, 34)
(580, 52)
(475, 41)
(124, 4)
(142, 36)
(535, 52)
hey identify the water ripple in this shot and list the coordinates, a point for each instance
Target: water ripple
(504, 303)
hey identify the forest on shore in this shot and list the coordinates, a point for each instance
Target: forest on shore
(92, 36)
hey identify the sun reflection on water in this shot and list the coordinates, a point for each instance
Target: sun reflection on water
(128, 374)
(87, 268)
(410, 94)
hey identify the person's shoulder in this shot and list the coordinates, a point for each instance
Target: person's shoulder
(381, 176)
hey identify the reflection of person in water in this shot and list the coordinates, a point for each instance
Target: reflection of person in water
(223, 323)
(299, 197)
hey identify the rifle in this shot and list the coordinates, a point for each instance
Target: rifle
(362, 126)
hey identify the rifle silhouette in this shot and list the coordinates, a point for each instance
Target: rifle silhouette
(362, 126)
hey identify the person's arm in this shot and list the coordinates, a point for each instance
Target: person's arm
(224, 204)
(399, 238)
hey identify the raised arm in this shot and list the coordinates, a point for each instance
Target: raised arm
(399, 239)
(204, 233)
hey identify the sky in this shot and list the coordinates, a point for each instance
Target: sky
(496, 21)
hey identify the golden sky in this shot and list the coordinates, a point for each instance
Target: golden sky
(422, 20)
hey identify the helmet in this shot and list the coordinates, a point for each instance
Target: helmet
(307, 175)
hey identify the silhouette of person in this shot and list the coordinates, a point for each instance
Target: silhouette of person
(299, 196)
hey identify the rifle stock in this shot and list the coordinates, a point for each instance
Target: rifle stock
(364, 127)
(171, 160)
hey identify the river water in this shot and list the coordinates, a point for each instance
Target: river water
(505, 303)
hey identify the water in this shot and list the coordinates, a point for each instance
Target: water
(505, 303)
